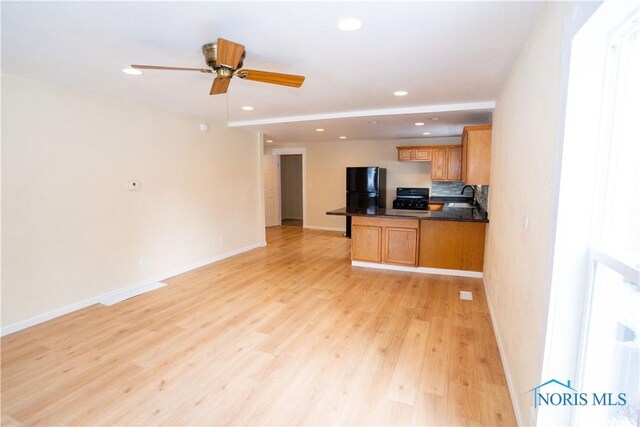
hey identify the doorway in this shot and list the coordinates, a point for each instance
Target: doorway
(285, 185)
(291, 189)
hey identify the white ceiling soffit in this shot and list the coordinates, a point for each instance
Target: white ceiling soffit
(442, 53)
(437, 121)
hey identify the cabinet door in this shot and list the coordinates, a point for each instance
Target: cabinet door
(366, 243)
(465, 153)
(454, 164)
(438, 168)
(406, 154)
(477, 168)
(423, 154)
(401, 246)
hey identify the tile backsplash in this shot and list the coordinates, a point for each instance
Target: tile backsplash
(446, 188)
(455, 187)
(482, 196)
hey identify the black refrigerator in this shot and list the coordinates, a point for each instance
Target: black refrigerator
(366, 188)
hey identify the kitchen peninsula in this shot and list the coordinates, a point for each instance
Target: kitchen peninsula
(449, 240)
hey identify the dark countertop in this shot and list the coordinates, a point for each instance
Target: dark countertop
(446, 214)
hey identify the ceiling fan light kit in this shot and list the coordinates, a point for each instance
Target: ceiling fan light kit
(225, 59)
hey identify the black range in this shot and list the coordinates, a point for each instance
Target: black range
(411, 198)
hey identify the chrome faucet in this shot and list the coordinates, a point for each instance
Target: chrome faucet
(473, 194)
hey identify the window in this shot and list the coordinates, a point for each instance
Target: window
(610, 354)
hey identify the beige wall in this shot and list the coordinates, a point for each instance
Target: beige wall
(327, 163)
(527, 137)
(70, 228)
(291, 186)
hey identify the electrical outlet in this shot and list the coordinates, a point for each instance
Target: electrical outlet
(220, 240)
(142, 261)
(134, 185)
(525, 222)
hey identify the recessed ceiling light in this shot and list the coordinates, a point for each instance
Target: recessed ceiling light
(401, 93)
(343, 137)
(434, 118)
(269, 140)
(419, 124)
(319, 130)
(247, 108)
(349, 24)
(131, 71)
(426, 133)
(373, 122)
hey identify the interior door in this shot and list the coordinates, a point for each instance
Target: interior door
(271, 168)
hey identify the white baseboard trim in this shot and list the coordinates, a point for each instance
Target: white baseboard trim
(319, 227)
(423, 270)
(507, 372)
(132, 293)
(130, 289)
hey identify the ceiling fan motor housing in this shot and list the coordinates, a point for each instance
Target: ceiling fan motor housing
(210, 51)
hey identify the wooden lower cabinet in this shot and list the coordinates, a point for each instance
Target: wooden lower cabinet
(366, 243)
(452, 245)
(385, 240)
(401, 246)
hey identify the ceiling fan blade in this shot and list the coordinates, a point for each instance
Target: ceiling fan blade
(219, 86)
(229, 53)
(158, 67)
(273, 78)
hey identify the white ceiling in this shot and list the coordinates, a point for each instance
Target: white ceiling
(452, 58)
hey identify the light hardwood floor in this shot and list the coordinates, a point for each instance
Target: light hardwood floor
(289, 334)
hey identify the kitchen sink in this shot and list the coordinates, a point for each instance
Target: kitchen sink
(461, 205)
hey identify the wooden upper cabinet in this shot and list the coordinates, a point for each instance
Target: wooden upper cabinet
(416, 154)
(438, 164)
(423, 154)
(406, 153)
(446, 163)
(454, 163)
(476, 155)
(446, 160)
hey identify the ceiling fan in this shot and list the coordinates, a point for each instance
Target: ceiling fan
(225, 59)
